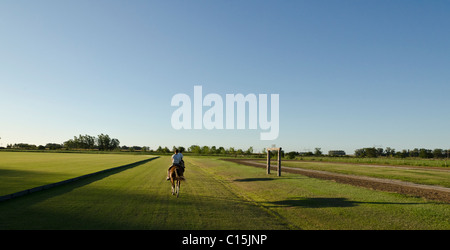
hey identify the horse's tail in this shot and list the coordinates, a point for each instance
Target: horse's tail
(181, 178)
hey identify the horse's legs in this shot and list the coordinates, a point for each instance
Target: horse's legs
(173, 187)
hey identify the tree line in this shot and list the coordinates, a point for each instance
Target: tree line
(405, 153)
(207, 150)
(102, 142)
(105, 142)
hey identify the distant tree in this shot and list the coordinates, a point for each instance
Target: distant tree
(414, 153)
(195, 149)
(438, 153)
(24, 146)
(317, 152)
(425, 153)
(89, 141)
(106, 143)
(221, 150)
(309, 153)
(103, 142)
(390, 152)
(69, 144)
(249, 150)
(403, 154)
(371, 152)
(205, 150)
(380, 152)
(84, 141)
(360, 152)
(166, 150)
(367, 152)
(292, 155)
(213, 150)
(53, 146)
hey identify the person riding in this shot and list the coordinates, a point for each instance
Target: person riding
(177, 160)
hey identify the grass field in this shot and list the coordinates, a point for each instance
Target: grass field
(217, 195)
(24, 170)
(427, 176)
(410, 161)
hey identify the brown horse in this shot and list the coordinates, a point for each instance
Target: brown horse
(176, 176)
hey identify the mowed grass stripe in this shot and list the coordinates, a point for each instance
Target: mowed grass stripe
(217, 195)
(137, 198)
(52, 185)
(419, 176)
(25, 170)
(310, 203)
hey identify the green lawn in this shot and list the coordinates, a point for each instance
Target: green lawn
(137, 198)
(440, 177)
(412, 161)
(217, 195)
(310, 203)
(24, 170)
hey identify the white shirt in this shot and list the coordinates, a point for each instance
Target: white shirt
(176, 158)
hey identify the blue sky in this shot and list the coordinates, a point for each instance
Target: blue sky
(350, 74)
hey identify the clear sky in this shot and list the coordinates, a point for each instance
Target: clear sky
(349, 74)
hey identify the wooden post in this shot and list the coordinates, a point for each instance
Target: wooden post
(279, 162)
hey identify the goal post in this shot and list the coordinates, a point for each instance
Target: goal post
(279, 160)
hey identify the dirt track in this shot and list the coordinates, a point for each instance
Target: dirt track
(403, 187)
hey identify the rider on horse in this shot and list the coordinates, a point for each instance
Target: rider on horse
(177, 160)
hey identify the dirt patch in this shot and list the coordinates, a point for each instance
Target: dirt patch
(417, 190)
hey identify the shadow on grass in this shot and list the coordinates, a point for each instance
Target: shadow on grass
(254, 179)
(325, 202)
(265, 179)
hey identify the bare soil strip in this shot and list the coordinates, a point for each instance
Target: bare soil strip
(397, 186)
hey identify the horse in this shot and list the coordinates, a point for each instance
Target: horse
(176, 176)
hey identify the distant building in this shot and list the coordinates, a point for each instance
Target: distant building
(336, 153)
